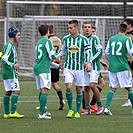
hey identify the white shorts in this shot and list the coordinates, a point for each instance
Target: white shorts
(91, 76)
(74, 75)
(43, 80)
(11, 85)
(124, 79)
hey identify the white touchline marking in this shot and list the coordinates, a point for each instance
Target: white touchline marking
(52, 100)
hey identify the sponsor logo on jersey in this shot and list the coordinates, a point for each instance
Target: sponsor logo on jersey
(73, 49)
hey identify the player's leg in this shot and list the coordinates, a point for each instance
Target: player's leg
(43, 82)
(43, 101)
(68, 78)
(108, 101)
(59, 93)
(83, 103)
(113, 83)
(97, 97)
(93, 85)
(130, 93)
(101, 82)
(125, 79)
(69, 98)
(87, 100)
(14, 99)
(79, 97)
(86, 94)
(6, 99)
(100, 85)
(38, 107)
(15, 95)
(54, 80)
(128, 102)
(79, 83)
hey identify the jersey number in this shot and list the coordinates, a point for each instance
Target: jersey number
(56, 48)
(116, 51)
(39, 52)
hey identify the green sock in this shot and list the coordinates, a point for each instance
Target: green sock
(87, 106)
(39, 96)
(109, 98)
(99, 103)
(79, 101)
(6, 101)
(14, 101)
(69, 98)
(130, 93)
(43, 101)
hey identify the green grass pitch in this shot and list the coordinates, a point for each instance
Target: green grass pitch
(120, 122)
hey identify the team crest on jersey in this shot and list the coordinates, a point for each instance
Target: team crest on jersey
(73, 49)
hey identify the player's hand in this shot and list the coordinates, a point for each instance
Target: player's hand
(87, 66)
(61, 66)
(16, 66)
(104, 64)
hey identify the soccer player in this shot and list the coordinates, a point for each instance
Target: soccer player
(129, 33)
(93, 30)
(55, 72)
(44, 54)
(116, 52)
(91, 78)
(101, 82)
(10, 68)
(73, 47)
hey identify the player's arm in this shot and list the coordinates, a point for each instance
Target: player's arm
(60, 44)
(129, 47)
(98, 47)
(50, 50)
(62, 51)
(57, 47)
(98, 54)
(6, 54)
(55, 65)
(88, 56)
(107, 53)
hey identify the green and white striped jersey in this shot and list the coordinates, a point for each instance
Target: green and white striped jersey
(117, 51)
(73, 48)
(44, 54)
(96, 49)
(9, 58)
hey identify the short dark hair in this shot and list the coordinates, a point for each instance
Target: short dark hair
(129, 21)
(122, 27)
(86, 22)
(51, 28)
(73, 22)
(93, 27)
(43, 29)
